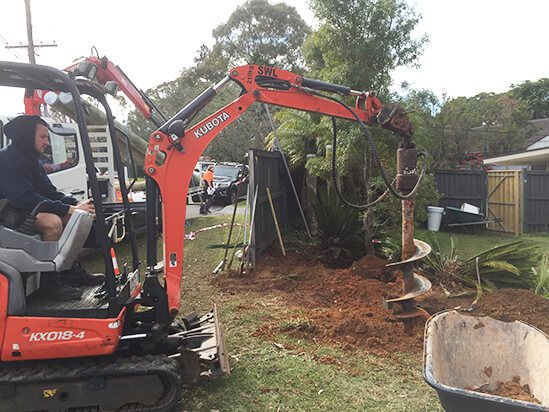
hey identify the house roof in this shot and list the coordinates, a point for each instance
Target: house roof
(521, 158)
(537, 148)
(541, 130)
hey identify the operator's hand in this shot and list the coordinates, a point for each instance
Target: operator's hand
(86, 206)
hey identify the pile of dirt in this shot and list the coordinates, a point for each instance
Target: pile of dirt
(509, 305)
(512, 390)
(345, 305)
(335, 305)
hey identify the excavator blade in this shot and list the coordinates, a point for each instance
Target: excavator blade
(118, 382)
(203, 350)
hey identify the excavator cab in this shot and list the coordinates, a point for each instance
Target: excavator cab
(114, 349)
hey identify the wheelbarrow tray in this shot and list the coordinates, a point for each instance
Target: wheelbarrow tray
(478, 352)
(455, 215)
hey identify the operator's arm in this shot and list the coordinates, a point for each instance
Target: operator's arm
(48, 190)
(24, 196)
(16, 184)
(86, 206)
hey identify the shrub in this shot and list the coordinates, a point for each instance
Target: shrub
(338, 224)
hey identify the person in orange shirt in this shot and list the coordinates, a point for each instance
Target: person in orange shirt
(207, 196)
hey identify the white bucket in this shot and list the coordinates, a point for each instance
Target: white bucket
(435, 216)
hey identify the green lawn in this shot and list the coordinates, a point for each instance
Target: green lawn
(282, 373)
(470, 244)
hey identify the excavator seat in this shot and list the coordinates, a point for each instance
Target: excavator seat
(23, 256)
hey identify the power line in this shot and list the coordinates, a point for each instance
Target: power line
(14, 52)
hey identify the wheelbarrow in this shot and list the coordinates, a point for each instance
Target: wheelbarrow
(478, 352)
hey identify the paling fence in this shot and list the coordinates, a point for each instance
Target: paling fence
(518, 199)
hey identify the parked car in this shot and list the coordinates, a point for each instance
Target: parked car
(227, 177)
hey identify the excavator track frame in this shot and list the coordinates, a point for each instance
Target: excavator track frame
(110, 383)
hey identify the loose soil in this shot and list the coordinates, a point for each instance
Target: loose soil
(512, 389)
(344, 306)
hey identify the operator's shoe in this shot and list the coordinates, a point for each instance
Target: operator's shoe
(203, 212)
(52, 287)
(77, 275)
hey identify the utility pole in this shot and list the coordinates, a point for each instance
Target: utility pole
(29, 32)
(30, 46)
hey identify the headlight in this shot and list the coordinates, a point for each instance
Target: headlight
(222, 184)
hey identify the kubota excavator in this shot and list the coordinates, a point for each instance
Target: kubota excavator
(124, 345)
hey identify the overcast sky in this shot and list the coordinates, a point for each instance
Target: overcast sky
(475, 45)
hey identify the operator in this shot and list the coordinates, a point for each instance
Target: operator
(207, 196)
(24, 182)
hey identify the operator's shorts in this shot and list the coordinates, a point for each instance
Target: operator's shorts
(12, 218)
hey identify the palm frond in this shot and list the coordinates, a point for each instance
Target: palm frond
(502, 266)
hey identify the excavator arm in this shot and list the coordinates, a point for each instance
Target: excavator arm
(175, 147)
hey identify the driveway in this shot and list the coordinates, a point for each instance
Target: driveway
(215, 210)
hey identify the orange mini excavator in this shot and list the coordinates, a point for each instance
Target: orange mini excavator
(124, 346)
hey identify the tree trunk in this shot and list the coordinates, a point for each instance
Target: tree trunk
(311, 182)
(368, 218)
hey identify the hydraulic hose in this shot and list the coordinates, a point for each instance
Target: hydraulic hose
(376, 156)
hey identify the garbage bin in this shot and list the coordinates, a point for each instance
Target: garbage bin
(434, 218)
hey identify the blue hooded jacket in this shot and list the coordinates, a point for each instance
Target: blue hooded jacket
(23, 180)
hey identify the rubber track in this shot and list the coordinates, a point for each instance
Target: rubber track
(76, 369)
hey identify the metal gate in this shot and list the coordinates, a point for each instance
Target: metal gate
(267, 171)
(504, 200)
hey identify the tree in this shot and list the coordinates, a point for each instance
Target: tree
(536, 94)
(257, 33)
(487, 122)
(423, 106)
(358, 44)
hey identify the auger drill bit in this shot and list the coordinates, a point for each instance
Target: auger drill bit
(414, 285)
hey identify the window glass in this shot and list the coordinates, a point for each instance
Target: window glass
(61, 154)
(221, 170)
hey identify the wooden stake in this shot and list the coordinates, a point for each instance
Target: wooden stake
(276, 221)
